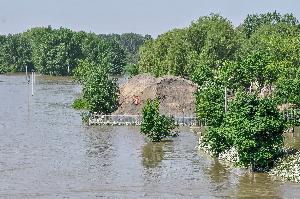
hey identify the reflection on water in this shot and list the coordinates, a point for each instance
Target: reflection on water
(153, 154)
(219, 173)
(253, 185)
(46, 152)
(293, 139)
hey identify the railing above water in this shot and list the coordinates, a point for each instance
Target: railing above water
(135, 120)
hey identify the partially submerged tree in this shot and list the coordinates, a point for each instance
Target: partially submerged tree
(210, 103)
(154, 125)
(100, 91)
(253, 127)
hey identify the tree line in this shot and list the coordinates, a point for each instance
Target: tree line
(262, 53)
(255, 66)
(59, 51)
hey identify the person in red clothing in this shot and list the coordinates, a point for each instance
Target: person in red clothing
(136, 100)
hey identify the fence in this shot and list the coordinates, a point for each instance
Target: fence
(119, 120)
(292, 115)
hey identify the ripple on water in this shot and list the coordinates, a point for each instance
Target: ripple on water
(46, 152)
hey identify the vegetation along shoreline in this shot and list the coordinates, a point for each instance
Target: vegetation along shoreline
(246, 78)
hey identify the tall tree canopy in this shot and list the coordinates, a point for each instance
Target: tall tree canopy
(59, 51)
(188, 52)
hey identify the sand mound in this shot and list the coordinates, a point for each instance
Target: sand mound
(174, 93)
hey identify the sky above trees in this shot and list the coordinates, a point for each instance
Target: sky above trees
(118, 16)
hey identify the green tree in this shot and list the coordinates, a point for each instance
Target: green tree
(256, 68)
(210, 103)
(54, 51)
(15, 53)
(253, 22)
(147, 60)
(117, 58)
(214, 39)
(95, 49)
(205, 44)
(131, 69)
(288, 87)
(83, 70)
(254, 127)
(100, 91)
(130, 43)
(154, 125)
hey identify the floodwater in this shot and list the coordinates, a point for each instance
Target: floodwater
(46, 152)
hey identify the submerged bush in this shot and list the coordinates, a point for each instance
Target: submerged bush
(288, 167)
(154, 125)
(254, 127)
(100, 91)
(80, 103)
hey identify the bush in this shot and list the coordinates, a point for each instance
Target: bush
(154, 125)
(131, 69)
(80, 103)
(254, 127)
(100, 91)
(210, 103)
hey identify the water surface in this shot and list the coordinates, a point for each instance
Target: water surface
(46, 152)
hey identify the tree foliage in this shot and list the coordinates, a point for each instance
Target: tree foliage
(15, 53)
(58, 51)
(154, 125)
(261, 54)
(254, 127)
(54, 51)
(130, 43)
(210, 103)
(204, 45)
(100, 92)
(255, 21)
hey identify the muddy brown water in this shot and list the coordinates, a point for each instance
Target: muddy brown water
(46, 152)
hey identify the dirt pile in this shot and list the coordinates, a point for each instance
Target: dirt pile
(175, 94)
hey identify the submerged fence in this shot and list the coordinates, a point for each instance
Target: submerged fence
(119, 120)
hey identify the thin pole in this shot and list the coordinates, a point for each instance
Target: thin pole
(32, 83)
(225, 98)
(34, 77)
(26, 73)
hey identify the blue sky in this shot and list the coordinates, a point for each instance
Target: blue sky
(118, 16)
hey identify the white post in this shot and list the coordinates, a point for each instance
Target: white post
(225, 98)
(32, 83)
(26, 72)
(34, 77)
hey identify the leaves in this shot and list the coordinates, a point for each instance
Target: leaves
(182, 52)
(99, 90)
(15, 53)
(58, 51)
(254, 127)
(154, 125)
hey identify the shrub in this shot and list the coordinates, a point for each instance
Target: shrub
(100, 91)
(80, 103)
(254, 127)
(154, 125)
(210, 103)
(132, 69)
